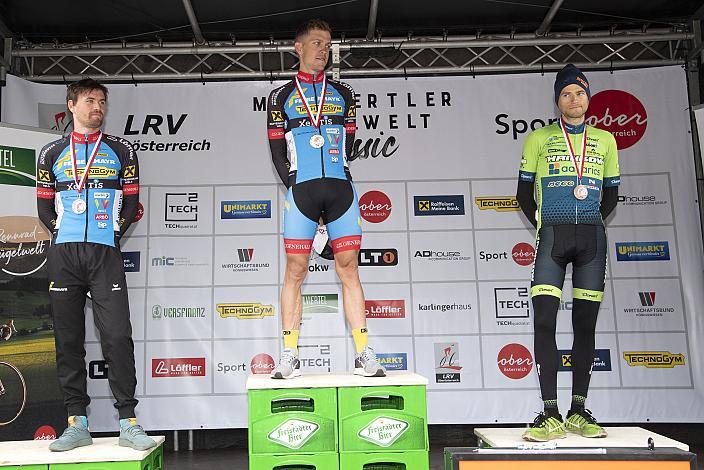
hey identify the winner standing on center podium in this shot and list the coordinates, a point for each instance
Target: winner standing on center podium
(311, 126)
(567, 186)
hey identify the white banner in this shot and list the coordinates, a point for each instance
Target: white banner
(445, 263)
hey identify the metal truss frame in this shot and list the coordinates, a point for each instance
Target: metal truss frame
(410, 56)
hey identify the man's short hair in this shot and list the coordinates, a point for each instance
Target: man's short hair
(310, 25)
(86, 85)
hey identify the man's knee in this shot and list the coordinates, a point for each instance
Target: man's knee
(297, 267)
(346, 265)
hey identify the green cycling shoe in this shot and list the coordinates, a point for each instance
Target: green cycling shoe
(583, 423)
(545, 428)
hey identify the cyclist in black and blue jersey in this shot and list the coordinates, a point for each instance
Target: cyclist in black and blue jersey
(87, 196)
(311, 126)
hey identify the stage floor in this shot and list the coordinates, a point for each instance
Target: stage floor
(441, 436)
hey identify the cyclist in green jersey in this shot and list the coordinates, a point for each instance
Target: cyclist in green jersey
(567, 185)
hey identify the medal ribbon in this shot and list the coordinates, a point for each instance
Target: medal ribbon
(577, 168)
(314, 120)
(89, 163)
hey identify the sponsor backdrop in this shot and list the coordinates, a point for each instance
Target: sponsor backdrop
(26, 327)
(446, 255)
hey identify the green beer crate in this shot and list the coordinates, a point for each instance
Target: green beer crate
(321, 461)
(411, 460)
(145, 464)
(298, 420)
(383, 419)
(24, 467)
(157, 457)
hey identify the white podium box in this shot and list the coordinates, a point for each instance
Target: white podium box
(263, 382)
(624, 437)
(104, 449)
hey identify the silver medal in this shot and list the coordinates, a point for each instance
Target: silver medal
(78, 206)
(581, 192)
(317, 141)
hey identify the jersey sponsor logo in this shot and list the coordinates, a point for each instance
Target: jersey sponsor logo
(297, 246)
(497, 203)
(129, 190)
(140, 211)
(620, 113)
(523, 254)
(327, 109)
(375, 206)
(252, 209)
(560, 184)
(447, 363)
(45, 193)
(567, 158)
(515, 361)
(101, 204)
(654, 359)
(130, 171)
(601, 363)
(102, 216)
(643, 251)
(275, 133)
(245, 311)
(44, 175)
(334, 136)
(438, 205)
(95, 172)
(277, 116)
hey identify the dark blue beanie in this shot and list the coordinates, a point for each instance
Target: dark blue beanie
(570, 75)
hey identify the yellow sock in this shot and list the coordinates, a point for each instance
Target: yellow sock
(361, 338)
(291, 339)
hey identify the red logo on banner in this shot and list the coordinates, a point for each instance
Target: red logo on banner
(523, 254)
(140, 212)
(179, 367)
(45, 433)
(620, 113)
(375, 206)
(262, 363)
(385, 308)
(515, 361)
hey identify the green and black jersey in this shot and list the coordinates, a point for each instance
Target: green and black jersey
(546, 161)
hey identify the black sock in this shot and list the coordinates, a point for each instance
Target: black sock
(550, 409)
(584, 315)
(545, 348)
(577, 404)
